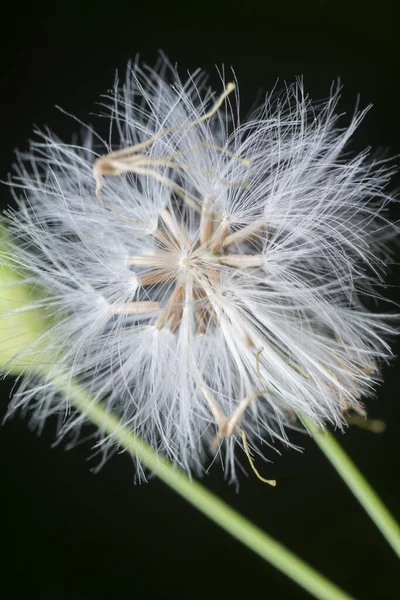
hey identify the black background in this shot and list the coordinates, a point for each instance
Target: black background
(68, 534)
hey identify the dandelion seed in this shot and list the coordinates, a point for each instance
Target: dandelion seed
(206, 279)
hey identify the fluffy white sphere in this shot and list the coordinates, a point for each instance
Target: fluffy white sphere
(204, 276)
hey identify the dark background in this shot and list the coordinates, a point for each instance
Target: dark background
(69, 534)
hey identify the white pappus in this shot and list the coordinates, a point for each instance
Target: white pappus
(205, 278)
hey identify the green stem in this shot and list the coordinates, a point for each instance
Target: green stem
(357, 484)
(206, 502)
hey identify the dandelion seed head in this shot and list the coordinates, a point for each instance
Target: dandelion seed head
(205, 276)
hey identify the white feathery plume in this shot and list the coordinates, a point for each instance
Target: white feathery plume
(205, 278)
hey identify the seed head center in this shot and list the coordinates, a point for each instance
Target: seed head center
(185, 262)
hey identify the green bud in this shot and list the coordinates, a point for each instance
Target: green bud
(21, 324)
